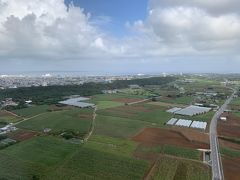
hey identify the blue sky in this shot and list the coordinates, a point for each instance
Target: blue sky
(119, 12)
(120, 36)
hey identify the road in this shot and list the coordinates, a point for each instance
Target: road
(217, 170)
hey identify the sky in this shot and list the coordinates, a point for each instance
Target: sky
(120, 37)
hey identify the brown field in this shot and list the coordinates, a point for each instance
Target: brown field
(59, 108)
(23, 135)
(231, 168)
(193, 135)
(166, 104)
(229, 144)
(4, 113)
(230, 128)
(126, 100)
(156, 136)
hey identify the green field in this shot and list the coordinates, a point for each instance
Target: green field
(108, 104)
(168, 168)
(6, 117)
(78, 120)
(207, 117)
(137, 92)
(235, 102)
(54, 158)
(113, 145)
(186, 100)
(31, 111)
(230, 152)
(34, 157)
(118, 127)
(110, 97)
(149, 113)
(95, 162)
(172, 150)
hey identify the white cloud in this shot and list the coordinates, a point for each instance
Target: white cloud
(48, 29)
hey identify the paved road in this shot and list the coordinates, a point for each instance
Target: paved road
(217, 171)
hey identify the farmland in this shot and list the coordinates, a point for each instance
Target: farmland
(76, 119)
(6, 117)
(31, 111)
(127, 138)
(171, 168)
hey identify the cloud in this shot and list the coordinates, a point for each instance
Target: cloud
(50, 30)
(47, 28)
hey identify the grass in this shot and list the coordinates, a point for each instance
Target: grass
(33, 157)
(78, 120)
(230, 152)
(31, 111)
(172, 150)
(94, 162)
(168, 168)
(117, 127)
(6, 117)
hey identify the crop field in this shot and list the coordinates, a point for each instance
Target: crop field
(230, 128)
(34, 157)
(7, 117)
(108, 104)
(164, 104)
(235, 101)
(171, 150)
(92, 161)
(156, 136)
(118, 127)
(137, 92)
(169, 168)
(31, 111)
(22, 135)
(143, 112)
(184, 100)
(231, 168)
(78, 120)
(113, 97)
(121, 146)
(206, 117)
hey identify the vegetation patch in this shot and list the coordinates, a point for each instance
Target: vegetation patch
(93, 162)
(31, 111)
(169, 168)
(117, 127)
(171, 150)
(60, 121)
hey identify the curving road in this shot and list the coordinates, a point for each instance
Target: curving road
(217, 170)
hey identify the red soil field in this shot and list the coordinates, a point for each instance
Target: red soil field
(229, 144)
(23, 135)
(156, 136)
(230, 128)
(231, 168)
(193, 135)
(59, 108)
(4, 113)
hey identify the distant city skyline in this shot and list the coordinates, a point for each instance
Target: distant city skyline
(120, 37)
